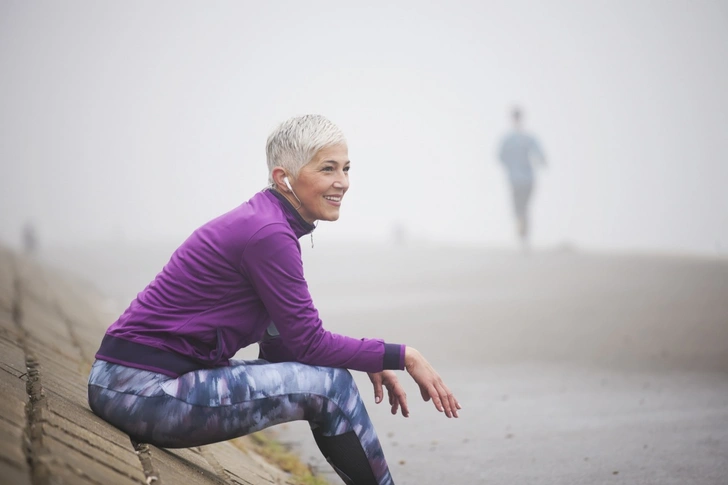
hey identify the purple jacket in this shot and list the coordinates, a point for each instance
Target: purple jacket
(220, 291)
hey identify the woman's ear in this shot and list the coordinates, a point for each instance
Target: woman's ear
(279, 179)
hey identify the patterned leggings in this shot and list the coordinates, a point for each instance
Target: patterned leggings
(212, 405)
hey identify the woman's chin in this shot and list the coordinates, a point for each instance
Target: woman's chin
(331, 217)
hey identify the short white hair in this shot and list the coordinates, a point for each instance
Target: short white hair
(296, 141)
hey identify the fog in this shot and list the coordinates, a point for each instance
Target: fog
(126, 125)
(139, 121)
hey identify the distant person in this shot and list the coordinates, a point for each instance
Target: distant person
(164, 373)
(519, 153)
(30, 239)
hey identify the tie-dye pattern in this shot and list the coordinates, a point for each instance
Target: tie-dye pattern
(212, 405)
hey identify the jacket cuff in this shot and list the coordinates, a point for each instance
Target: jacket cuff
(393, 357)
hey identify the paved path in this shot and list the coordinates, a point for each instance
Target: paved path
(50, 328)
(572, 368)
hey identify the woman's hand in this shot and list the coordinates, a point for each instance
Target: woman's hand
(397, 396)
(430, 383)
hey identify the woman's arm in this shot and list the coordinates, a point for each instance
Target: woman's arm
(272, 263)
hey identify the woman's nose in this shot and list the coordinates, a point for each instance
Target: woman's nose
(342, 181)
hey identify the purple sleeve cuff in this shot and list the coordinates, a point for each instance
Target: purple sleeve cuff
(393, 357)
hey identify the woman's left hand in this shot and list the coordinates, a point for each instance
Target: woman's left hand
(397, 396)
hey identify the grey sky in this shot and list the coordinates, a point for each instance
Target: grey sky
(144, 119)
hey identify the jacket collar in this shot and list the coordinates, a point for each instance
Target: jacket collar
(298, 224)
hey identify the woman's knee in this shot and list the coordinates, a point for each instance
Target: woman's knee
(326, 381)
(341, 378)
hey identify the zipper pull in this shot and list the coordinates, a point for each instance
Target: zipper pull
(315, 225)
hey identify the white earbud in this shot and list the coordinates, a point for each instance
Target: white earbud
(290, 189)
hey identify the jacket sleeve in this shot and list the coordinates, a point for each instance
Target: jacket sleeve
(272, 262)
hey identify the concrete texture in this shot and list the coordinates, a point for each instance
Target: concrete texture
(50, 327)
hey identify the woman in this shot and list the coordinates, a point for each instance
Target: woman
(164, 373)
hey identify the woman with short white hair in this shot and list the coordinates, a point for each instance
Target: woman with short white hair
(164, 372)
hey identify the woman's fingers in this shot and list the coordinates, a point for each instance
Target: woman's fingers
(405, 409)
(456, 404)
(402, 402)
(443, 399)
(397, 397)
(424, 393)
(448, 402)
(436, 398)
(376, 379)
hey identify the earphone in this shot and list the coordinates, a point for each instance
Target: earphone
(300, 204)
(290, 189)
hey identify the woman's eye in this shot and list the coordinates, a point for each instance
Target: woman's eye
(346, 169)
(328, 169)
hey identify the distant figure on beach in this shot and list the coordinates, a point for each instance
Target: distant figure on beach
(30, 239)
(519, 152)
(165, 374)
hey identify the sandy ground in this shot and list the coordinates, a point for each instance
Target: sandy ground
(571, 367)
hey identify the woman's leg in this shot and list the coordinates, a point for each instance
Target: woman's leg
(213, 405)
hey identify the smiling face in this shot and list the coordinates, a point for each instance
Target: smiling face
(322, 183)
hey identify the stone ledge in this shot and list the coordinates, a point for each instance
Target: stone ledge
(48, 330)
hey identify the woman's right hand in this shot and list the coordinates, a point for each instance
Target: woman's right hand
(430, 383)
